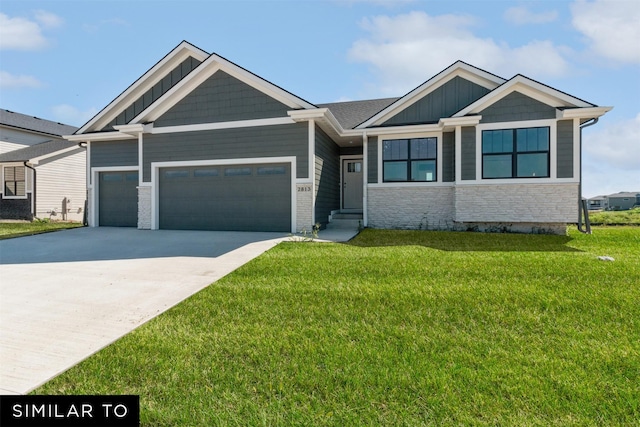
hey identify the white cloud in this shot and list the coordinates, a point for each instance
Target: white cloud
(11, 81)
(612, 27)
(612, 157)
(71, 115)
(48, 19)
(616, 144)
(520, 15)
(24, 34)
(407, 49)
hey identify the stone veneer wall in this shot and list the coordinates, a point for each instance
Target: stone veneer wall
(304, 207)
(425, 208)
(144, 208)
(517, 203)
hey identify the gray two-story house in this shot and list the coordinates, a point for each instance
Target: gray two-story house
(199, 142)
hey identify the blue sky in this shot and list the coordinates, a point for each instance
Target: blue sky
(66, 60)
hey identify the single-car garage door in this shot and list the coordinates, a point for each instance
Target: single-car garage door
(244, 197)
(118, 199)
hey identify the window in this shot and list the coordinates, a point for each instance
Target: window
(15, 181)
(272, 170)
(409, 160)
(201, 173)
(237, 171)
(354, 167)
(515, 153)
(172, 174)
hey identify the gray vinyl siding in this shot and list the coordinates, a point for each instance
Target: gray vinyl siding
(468, 153)
(372, 160)
(159, 89)
(264, 141)
(448, 157)
(114, 153)
(327, 176)
(517, 107)
(442, 102)
(565, 149)
(222, 98)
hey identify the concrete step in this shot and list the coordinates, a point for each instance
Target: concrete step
(347, 216)
(344, 224)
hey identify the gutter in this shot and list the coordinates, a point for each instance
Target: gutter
(33, 192)
(582, 203)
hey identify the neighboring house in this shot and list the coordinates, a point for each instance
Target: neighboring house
(598, 203)
(43, 175)
(199, 142)
(623, 201)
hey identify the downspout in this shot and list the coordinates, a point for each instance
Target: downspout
(85, 217)
(582, 205)
(33, 191)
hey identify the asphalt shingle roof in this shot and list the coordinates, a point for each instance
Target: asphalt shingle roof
(35, 124)
(350, 114)
(35, 151)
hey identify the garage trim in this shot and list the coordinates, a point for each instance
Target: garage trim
(94, 200)
(155, 179)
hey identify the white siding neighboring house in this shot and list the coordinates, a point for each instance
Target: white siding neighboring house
(42, 175)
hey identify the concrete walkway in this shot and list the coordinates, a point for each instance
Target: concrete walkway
(66, 295)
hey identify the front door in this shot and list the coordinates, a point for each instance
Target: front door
(352, 184)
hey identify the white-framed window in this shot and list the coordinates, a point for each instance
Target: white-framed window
(15, 182)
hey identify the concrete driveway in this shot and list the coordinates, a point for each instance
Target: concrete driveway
(66, 295)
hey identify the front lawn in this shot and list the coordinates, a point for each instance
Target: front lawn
(395, 328)
(19, 229)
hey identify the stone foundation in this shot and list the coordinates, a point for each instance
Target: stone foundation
(144, 208)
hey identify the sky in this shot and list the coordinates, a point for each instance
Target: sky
(66, 60)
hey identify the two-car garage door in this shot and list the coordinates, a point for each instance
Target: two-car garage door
(239, 197)
(243, 197)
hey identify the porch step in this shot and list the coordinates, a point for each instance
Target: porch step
(345, 221)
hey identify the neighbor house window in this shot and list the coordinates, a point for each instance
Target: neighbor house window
(409, 160)
(15, 184)
(515, 153)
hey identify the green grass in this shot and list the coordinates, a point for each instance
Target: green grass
(397, 328)
(9, 230)
(630, 217)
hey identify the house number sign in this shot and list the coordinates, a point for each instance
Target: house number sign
(304, 188)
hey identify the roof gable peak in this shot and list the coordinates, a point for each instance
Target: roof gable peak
(457, 69)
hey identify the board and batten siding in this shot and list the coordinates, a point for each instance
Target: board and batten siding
(114, 153)
(167, 82)
(372, 160)
(237, 143)
(468, 153)
(517, 107)
(442, 102)
(565, 149)
(448, 157)
(327, 176)
(222, 98)
(59, 177)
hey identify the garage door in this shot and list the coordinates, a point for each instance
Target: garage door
(118, 199)
(230, 197)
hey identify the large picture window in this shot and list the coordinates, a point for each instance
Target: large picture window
(409, 160)
(14, 181)
(515, 153)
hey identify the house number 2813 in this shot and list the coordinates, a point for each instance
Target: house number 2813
(305, 188)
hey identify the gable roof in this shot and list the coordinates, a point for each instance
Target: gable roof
(210, 63)
(34, 124)
(38, 151)
(205, 70)
(458, 69)
(351, 113)
(143, 84)
(529, 87)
